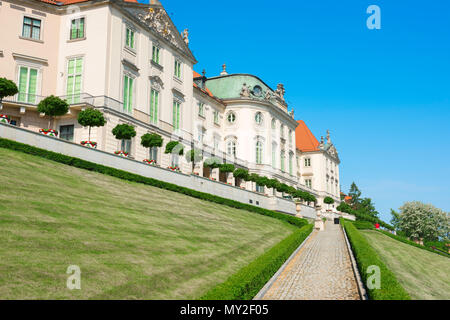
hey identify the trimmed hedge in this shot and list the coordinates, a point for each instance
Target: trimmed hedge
(366, 256)
(82, 164)
(412, 243)
(247, 282)
(359, 224)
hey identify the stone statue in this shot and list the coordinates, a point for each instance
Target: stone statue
(245, 91)
(185, 36)
(280, 91)
(291, 113)
(321, 142)
(328, 137)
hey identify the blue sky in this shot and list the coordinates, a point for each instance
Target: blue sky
(384, 94)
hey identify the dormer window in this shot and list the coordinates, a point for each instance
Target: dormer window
(307, 162)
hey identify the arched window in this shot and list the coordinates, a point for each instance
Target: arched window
(231, 148)
(282, 131)
(274, 124)
(282, 158)
(258, 118)
(274, 155)
(259, 152)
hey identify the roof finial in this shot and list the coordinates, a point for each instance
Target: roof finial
(328, 137)
(321, 142)
(224, 70)
(204, 72)
(185, 35)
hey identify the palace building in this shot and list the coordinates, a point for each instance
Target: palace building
(129, 61)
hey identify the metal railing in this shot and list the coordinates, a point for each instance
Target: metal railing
(34, 99)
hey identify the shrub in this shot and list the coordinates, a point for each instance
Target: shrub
(247, 282)
(344, 207)
(52, 107)
(7, 88)
(241, 174)
(194, 156)
(174, 147)
(124, 132)
(366, 256)
(212, 163)
(91, 118)
(328, 200)
(226, 167)
(151, 140)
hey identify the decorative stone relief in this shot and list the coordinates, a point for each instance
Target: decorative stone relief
(245, 91)
(280, 91)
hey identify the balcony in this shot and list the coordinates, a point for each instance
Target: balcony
(30, 101)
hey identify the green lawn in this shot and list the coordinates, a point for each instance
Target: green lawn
(131, 241)
(423, 274)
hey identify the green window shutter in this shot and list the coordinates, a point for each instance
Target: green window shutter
(81, 28)
(174, 119)
(77, 90)
(132, 39)
(127, 40)
(152, 99)
(130, 93)
(73, 29)
(157, 55)
(32, 86)
(23, 78)
(125, 93)
(178, 115)
(79, 65)
(71, 67)
(155, 119)
(70, 89)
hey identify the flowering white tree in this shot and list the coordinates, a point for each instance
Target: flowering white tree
(419, 220)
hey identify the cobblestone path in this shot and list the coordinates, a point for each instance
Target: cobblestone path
(321, 270)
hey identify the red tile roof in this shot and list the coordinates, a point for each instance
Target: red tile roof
(206, 90)
(304, 139)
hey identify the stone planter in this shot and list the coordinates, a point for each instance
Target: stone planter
(298, 208)
(49, 132)
(122, 154)
(4, 118)
(89, 144)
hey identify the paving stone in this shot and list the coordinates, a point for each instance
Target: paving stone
(321, 270)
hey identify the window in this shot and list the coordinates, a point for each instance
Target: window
(231, 117)
(201, 135)
(282, 131)
(129, 38)
(176, 115)
(282, 158)
(177, 69)
(307, 162)
(231, 148)
(154, 153)
(216, 117)
(291, 169)
(216, 143)
(155, 54)
(259, 188)
(125, 146)
(308, 183)
(31, 28)
(66, 132)
(274, 124)
(258, 118)
(154, 100)
(274, 156)
(77, 29)
(27, 84)
(74, 74)
(201, 109)
(127, 93)
(290, 137)
(259, 152)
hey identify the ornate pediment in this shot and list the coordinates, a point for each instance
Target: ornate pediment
(157, 83)
(156, 19)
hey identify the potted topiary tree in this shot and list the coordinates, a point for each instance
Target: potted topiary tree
(328, 201)
(91, 118)
(176, 149)
(212, 163)
(194, 156)
(253, 177)
(151, 140)
(226, 169)
(124, 132)
(52, 107)
(7, 88)
(241, 174)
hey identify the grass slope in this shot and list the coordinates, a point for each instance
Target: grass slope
(425, 275)
(130, 240)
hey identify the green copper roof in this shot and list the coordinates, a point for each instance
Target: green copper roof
(230, 86)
